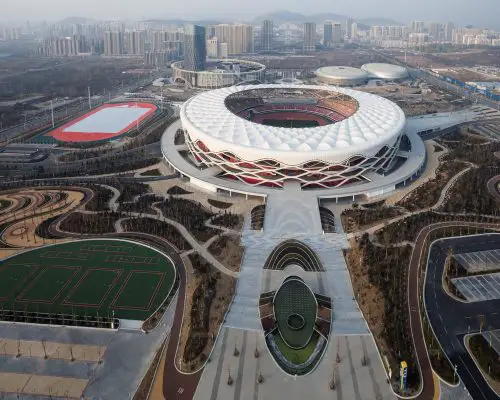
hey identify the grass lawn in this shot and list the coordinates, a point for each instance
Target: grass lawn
(296, 356)
(151, 172)
(88, 277)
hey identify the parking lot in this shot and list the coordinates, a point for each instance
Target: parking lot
(493, 337)
(479, 288)
(479, 261)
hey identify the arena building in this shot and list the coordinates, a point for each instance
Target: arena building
(320, 136)
(389, 72)
(220, 73)
(342, 76)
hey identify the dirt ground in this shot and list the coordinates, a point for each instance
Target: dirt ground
(22, 233)
(467, 58)
(370, 299)
(52, 350)
(228, 251)
(225, 289)
(42, 385)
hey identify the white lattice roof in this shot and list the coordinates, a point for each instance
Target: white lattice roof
(377, 122)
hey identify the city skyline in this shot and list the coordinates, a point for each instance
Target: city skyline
(463, 12)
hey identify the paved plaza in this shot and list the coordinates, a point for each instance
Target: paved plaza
(353, 379)
(479, 288)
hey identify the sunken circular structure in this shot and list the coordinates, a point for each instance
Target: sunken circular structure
(320, 136)
(219, 73)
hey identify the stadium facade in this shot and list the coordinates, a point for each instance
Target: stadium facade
(320, 136)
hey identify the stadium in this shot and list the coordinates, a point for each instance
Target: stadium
(320, 136)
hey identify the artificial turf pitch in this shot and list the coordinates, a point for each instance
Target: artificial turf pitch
(89, 277)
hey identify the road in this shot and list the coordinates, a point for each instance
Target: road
(452, 319)
(416, 325)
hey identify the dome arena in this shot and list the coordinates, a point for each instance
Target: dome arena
(384, 71)
(320, 136)
(342, 76)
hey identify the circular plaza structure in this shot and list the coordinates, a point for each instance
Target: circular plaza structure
(254, 139)
(342, 76)
(220, 73)
(389, 72)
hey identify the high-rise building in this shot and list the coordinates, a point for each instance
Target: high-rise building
(354, 30)
(448, 32)
(113, 43)
(213, 48)
(195, 48)
(433, 29)
(348, 27)
(309, 45)
(336, 32)
(239, 37)
(267, 36)
(223, 50)
(135, 42)
(327, 34)
(417, 26)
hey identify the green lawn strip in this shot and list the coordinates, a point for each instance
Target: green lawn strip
(48, 284)
(296, 356)
(12, 278)
(93, 288)
(138, 290)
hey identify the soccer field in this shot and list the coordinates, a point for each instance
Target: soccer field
(88, 278)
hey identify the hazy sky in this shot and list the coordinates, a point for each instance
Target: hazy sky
(476, 12)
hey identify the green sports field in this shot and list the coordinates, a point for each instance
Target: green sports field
(88, 277)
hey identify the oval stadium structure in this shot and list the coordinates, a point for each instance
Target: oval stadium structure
(384, 71)
(320, 136)
(342, 76)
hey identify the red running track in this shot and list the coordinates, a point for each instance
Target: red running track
(82, 137)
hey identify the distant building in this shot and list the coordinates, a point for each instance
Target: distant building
(448, 32)
(309, 45)
(195, 48)
(348, 27)
(135, 41)
(213, 48)
(434, 29)
(417, 26)
(267, 36)
(60, 47)
(328, 34)
(336, 32)
(113, 43)
(223, 53)
(354, 30)
(239, 37)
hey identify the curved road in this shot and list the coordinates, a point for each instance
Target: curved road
(416, 324)
(452, 319)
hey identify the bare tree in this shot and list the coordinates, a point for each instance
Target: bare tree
(44, 346)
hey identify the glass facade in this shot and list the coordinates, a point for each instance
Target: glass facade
(195, 48)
